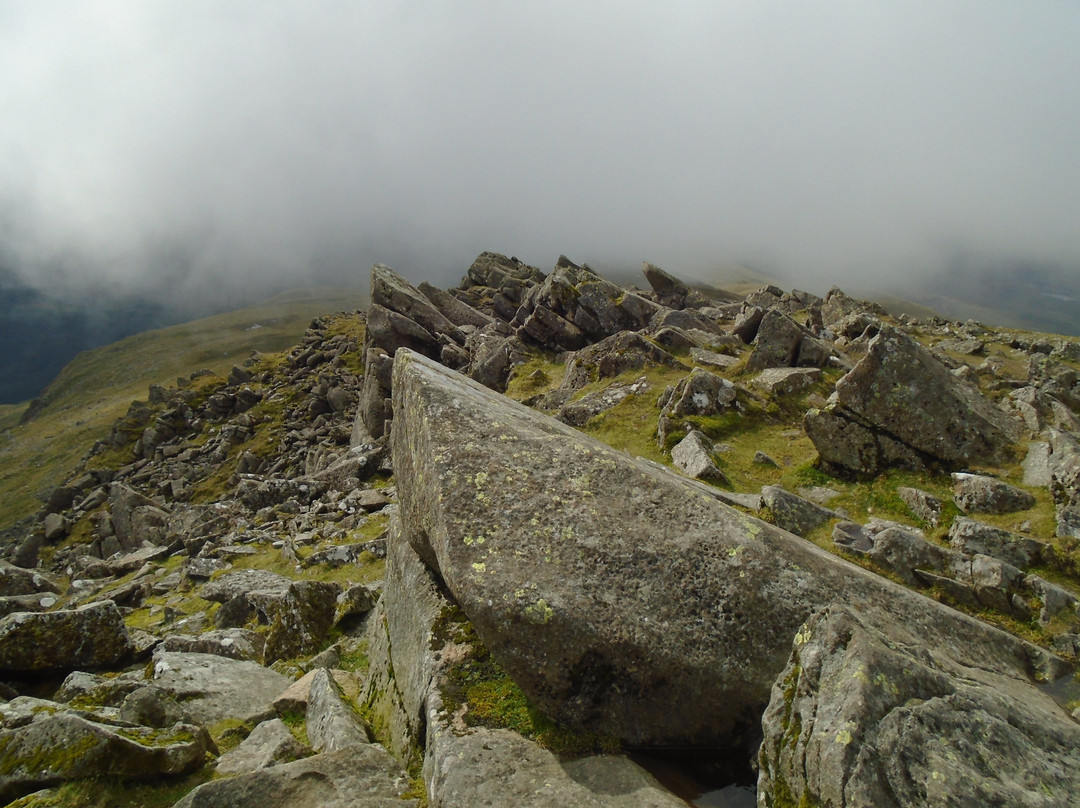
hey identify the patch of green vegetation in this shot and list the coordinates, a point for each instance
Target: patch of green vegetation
(230, 733)
(494, 700)
(296, 721)
(11, 414)
(539, 375)
(117, 793)
(354, 658)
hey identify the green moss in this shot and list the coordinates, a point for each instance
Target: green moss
(494, 700)
(296, 721)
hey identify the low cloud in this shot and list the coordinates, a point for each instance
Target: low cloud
(179, 147)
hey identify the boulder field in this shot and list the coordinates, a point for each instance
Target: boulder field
(545, 540)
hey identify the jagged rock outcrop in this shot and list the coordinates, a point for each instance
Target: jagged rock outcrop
(874, 715)
(898, 405)
(556, 548)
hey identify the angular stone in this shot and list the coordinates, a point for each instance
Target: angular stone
(853, 448)
(668, 290)
(363, 775)
(391, 290)
(331, 723)
(877, 716)
(924, 505)
(454, 310)
(300, 622)
(1037, 464)
(700, 393)
(612, 356)
(692, 456)
(785, 381)
(557, 547)
(903, 551)
(233, 643)
(971, 537)
(701, 356)
(777, 342)
(793, 513)
(89, 637)
(243, 583)
(549, 329)
(212, 687)
(977, 493)
(19, 581)
(746, 325)
(389, 331)
(579, 411)
(63, 746)
(269, 744)
(500, 768)
(899, 389)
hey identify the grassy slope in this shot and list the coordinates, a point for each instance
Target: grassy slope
(98, 385)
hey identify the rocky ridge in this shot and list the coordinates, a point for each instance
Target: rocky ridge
(361, 550)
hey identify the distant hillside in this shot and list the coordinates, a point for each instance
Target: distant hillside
(1027, 296)
(98, 385)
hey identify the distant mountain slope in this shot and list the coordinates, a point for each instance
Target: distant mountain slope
(1029, 296)
(98, 385)
(39, 334)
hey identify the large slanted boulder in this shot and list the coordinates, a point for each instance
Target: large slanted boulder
(670, 291)
(899, 404)
(873, 715)
(392, 291)
(592, 577)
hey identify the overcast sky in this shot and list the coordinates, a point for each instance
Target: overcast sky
(171, 141)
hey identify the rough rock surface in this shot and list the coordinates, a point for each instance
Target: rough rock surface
(332, 724)
(864, 716)
(269, 744)
(62, 746)
(499, 767)
(693, 457)
(977, 493)
(331, 780)
(212, 687)
(901, 392)
(591, 576)
(91, 636)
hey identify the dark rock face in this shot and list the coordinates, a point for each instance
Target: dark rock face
(900, 403)
(557, 548)
(867, 715)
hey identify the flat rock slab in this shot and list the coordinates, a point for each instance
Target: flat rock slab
(499, 767)
(621, 597)
(864, 716)
(363, 775)
(92, 636)
(212, 687)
